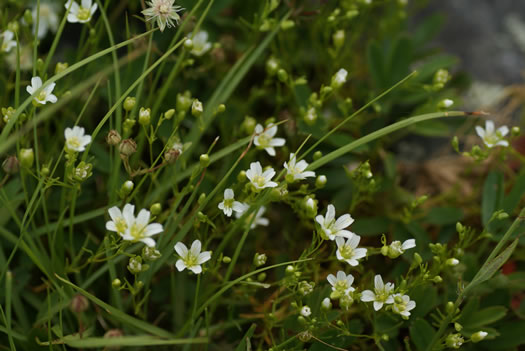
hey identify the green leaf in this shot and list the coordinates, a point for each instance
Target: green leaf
(490, 267)
(400, 59)
(512, 200)
(376, 65)
(444, 215)
(138, 340)
(484, 317)
(371, 226)
(421, 333)
(511, 335)
(244, 344)
(492, 195)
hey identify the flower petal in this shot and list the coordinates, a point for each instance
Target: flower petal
(181, 249)
(378, 282)
(367, 296)
(180, 265)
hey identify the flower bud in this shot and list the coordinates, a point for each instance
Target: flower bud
(310, 116)
(150, 253)
(317, 155)
(445, 103)
(204, 160)
(11, 165)
(339, 38)
(290, 269)
(155, 209)
(272, 66)
(452, 262)
(326, 304)
(129, 103)
(417, 258)
(437, 279)
(61, 67)
(28, 17)
(454, 341)
(282, 75)
(79, 303)
(320, 182)
(116, 283)
(515, 131)
(39, 64)
(82, 171)
(188, 44)
(7, 113)
(196, 108)
(144, 116)
(135, 265)
(169, 114)
(113, 138)
(127, 148)
(455, 143)
(450, 307)
(458, 326)
(311, 207)
(503, 215)
(126, 188)
(305, 287)
(478, 336)
(259, 259)
(128, 125)
(26, 157)
(226, 259)
(248, 125)
(202, 198)
(261, 277)
(45, 171)
(339, 78)
(306, 311)
(184, 101)
(241, 177)
(287, 24)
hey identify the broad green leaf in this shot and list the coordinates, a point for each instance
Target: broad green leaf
(421, 333)
(444, 215)
(484, 317)
(376, 64)
(511, 336)
(492, 195)
(517, 194)
(139, 340)
(371, 226)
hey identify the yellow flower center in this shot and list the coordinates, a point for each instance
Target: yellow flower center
(121, 225)
(83, 14)
(264, 140)
(137, 231)
(73, 142)
(42, 96)
(341, 286)
(346, 251)
(190, 260)
(228, 203)
(259, 180)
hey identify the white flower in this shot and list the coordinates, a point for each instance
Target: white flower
(133, 228)
(402, 305)
(396, 249)
(192, 258)
(45, 94)
(296, 171)
(75, 139)
(381, 294)
(330, 228)
(306, 311)
(326, 303)
(478, 336)
(264, 139)
(7, 41)
(339, 78)
(493, 137)
(452, 262)
(228, 205)
(446, 103)
(342, 284)
(259, 219)
(164, 11)
(80, 13)
(260, 179)
(47, 18)
(201, 45)
(348, 251)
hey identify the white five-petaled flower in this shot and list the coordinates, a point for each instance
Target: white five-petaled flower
(296, 170)
(80, 13)
(75, 139)
(132, 228)
(396, 249)
(192, 258)
(492, 137)
(341, 284)
(164, 12)
(228, 205)
(339, 78)
(306, 311)
(382, 293)
(260, 179)
(348, 251)
(264, 139)
(7, 41)
(45, 94)
(47, 18)
(258, 220)
(201, 45)
(331, 228)
(402, 305)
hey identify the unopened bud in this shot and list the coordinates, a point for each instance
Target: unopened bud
(437, 279)
(445, 103)
(28, 17)
(326, 304)
(169, 114)
(338, 38)
(272, 65)
(317, 155)
(61, 67)
(26, 157)
(320, 182)
(450, 308)
(188, 44)
(135, 265)
(452, 262)
(144, 116)
(261, 277)
(290, 269)
(204, 160)
(478, 336)
(150, 253)
(156, 209)
(196, 108)
(417, 258)
(226, 259)
(458, 326)
(259, 259)
(129, 103)
(282, 75)
(515, 131)
(116, 283)
(127, 188)
(503, 215)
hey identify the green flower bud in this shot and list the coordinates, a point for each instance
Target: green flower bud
(126, 188)
(45, 171)
(326, 304)
(28, 17)
(445, 103)
(310, 116)
(144, 116)
(417, 258)
(317, 155)
(454, 341)
(287, 24)
(241, 177)
(204, 160)
(437, 279)
(458, 327)
(135, 265)
(61, 67)
(478, 336)
(282, 75)
(290, 269)
(169, 114)
(196, 108)
(272, 66)
(320, 182)
(116, 283)
(226, 259)
(26, 157)
(150, 253)
(450, 307)
(311, 207)
(339, 38)
(503, 215)
(128, 125)
(259, 259)
(261, 277)
(129, 103)
(156, 209)
(184, 101)
(39, 65)
(455, 143)
(515, 131)
(202, 198)
(452, 262)
(188, 44)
